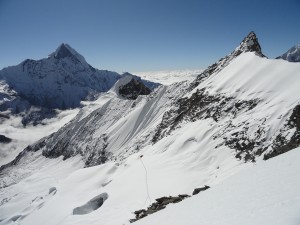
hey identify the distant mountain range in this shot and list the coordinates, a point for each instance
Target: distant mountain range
(60, 81)
(136, 146)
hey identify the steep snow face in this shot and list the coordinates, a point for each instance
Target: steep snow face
(111, 128)
(60, 81)
(249, 44)
(249, 100)
(267, 193)
(292, 55)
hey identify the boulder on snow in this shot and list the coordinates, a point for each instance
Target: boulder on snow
(156, 206)
(4, 139)
(92, 205)
(52, 190)
(133, 89)
(198, 190)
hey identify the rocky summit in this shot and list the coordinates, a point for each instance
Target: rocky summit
(216, 146)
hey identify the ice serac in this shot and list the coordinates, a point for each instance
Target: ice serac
(292, 55)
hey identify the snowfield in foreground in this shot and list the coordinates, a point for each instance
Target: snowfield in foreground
(265, 193)
(268, 194)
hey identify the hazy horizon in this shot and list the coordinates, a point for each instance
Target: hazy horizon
(138, 35)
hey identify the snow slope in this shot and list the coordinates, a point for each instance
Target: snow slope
(25, 192)
(267, 193)
(250, 102)
(241, 110)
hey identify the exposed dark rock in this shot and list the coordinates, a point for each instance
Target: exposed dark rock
(160, 204)
(200, 106)
(249, 44)
(98, 155)
(4, 139)
(4, 116)
(198, 190)
(52, 190)
(63, 52)
(35, 117)
(14, 162)
(281, 143)
(133, 89)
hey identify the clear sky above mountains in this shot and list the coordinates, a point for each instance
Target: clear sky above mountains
(144, 35)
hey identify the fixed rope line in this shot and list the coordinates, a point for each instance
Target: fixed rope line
(147, 186)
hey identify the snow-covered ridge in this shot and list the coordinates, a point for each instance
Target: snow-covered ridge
(179, 137)
(249, 44)
(249, 100)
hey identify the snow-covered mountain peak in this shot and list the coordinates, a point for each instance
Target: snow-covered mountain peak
(66, 51)
(292, 55)
(61, 81)
(249, 44)
(244, 108)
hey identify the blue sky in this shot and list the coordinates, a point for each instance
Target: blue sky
(144, 35)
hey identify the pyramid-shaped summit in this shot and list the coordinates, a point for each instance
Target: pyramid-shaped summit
(64, 50)
(249, 44)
